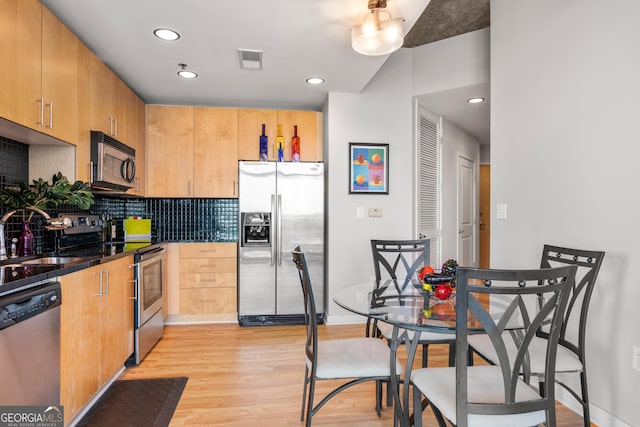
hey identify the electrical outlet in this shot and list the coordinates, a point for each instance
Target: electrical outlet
(635, 361)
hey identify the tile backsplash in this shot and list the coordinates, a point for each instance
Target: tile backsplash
(173, 220)
(177, 220)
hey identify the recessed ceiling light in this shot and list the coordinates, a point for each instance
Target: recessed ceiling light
(184, 73)
(166, 34)
(475, 100)
(315, 80)
(187, 74)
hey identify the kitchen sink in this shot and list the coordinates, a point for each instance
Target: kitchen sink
(54, 260)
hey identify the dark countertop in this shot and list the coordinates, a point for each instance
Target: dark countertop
(15, 276)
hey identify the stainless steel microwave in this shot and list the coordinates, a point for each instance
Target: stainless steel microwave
(113, 164)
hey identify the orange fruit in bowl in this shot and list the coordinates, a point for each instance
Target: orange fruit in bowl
(427, 269)
(360, 179)
(376, 158)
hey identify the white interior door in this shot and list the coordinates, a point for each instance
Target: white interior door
(466, 213)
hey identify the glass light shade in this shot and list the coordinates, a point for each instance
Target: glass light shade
(378, 34)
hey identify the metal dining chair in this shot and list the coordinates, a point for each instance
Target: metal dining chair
(571, 351)
(402, 259)
(356, 359)
(498, 395)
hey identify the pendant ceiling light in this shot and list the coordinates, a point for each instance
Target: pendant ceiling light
(379, 33)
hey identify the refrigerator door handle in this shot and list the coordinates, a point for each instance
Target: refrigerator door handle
(279, 229)
(274, 233)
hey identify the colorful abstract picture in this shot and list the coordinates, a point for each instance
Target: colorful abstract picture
(368, 168)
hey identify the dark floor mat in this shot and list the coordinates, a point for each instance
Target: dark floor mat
(136, 403)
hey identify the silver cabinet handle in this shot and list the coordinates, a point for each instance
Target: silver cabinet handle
(50, 105)
(41, 102)
(106, 275)
(99, 294)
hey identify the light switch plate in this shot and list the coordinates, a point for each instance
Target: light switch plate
(359, 212)
(375, 212)
(501, 211)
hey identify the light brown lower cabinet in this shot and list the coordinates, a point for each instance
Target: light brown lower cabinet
(208, 278)
(96, 330)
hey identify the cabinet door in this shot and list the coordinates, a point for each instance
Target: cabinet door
(83, 147)
(115, 311)
(215, 152)
(249, 131)
(103, 95)
(122, 113)
(79, 340)
(20, 40)
(138, 141)
(309, 131)
(169, 151)
(59, 79)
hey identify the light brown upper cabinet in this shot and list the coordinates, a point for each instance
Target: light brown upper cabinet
(192, 151)
(136, 137)
(215, 150)
(83, 149)
(250, 128)
(39, 83)
(108, 101)
(107, 104)
(249, 131)
(169, 151)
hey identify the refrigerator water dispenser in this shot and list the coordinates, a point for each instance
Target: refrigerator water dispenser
(256, 228)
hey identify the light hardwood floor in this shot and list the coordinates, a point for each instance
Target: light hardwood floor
(252, 376)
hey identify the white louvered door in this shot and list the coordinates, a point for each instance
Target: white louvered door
(428, 177)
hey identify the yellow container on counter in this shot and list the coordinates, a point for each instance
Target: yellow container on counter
(137, 230)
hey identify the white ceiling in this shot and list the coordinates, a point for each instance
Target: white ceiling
(452, 104)
(299, 39)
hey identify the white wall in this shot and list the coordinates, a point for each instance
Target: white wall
(451, 63)
(382, 113)
(564, 154)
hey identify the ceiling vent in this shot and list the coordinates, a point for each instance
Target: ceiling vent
(250, 59)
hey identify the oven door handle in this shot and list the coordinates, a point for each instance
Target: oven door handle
(151, 253)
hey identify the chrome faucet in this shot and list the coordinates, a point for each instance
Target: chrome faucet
(3, 247)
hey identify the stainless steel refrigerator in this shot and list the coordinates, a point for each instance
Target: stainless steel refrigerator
(281, 206)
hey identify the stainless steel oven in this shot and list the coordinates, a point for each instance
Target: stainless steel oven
(149, 314)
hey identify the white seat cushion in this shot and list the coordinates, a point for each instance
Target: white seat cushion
(354, 357)
(387, 331)
(566, 360)
(484, 385)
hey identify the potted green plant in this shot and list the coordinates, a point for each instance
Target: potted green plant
(42, 195)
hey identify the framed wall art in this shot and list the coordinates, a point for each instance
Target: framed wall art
(368, 168)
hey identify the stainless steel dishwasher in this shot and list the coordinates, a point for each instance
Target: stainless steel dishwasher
(30, 346)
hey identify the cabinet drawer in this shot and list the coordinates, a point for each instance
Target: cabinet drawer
(208, 250)
(208, 280)
(208, 265)
(208, 300)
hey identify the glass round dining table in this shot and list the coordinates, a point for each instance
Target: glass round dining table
(404, 304)
(399, 302)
